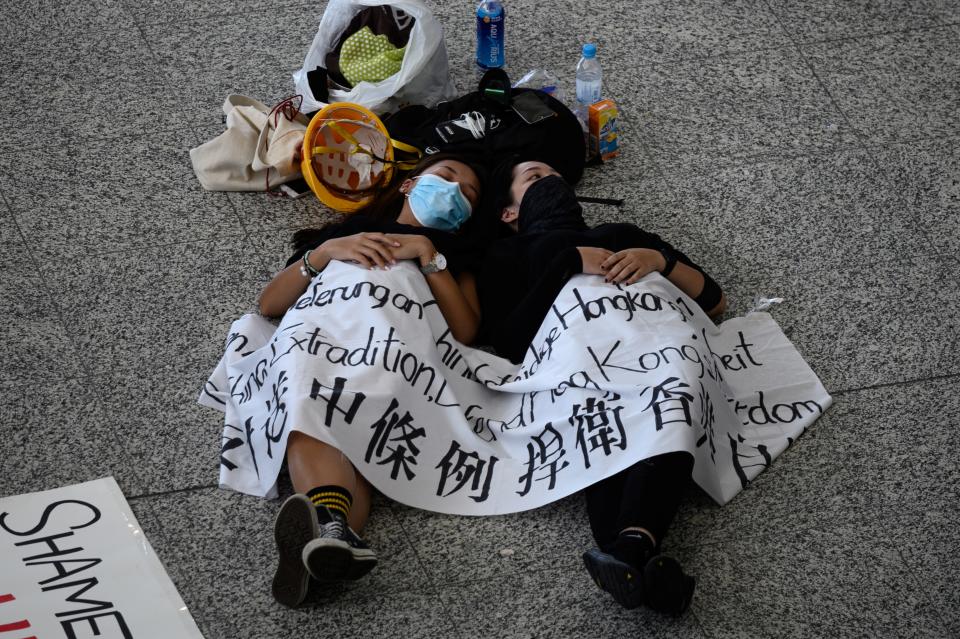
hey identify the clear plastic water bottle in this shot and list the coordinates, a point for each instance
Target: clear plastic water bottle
(589, 78)
(490, 19)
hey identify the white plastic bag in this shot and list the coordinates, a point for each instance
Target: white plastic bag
(424, 76)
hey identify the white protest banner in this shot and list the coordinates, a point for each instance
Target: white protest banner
(75, 563)
(364, 361)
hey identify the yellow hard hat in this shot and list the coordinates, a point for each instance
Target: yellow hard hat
(348, 156)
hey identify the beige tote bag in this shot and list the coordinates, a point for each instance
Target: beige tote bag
(258, 151)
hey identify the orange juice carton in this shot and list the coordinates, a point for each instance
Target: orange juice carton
(602, 121)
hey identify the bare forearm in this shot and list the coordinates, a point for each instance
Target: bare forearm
(459, 313)
(719, 308)
(691, 281)
(289, 284)
(366, 249)
(629, 265)
(687, 279)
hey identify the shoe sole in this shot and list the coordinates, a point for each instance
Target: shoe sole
(334, 560)
(295, 526)
(615, 577)
(671, 591)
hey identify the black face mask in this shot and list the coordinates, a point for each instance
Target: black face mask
(550, 205)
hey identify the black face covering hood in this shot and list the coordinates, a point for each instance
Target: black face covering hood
(550, 205)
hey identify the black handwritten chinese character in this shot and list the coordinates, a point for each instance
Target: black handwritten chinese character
(708, 419)
(333, 400)
(229, 443)
(668, 402)
(248, 431)
(598, 427)
(743, 451)
(276, 422)
(544, 456)
(393, 428)
(464, 467)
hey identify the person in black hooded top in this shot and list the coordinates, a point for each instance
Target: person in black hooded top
(521, 276)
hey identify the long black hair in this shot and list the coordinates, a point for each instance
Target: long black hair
(502, 179)
(388, 201)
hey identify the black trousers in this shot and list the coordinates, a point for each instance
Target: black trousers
(645, 495)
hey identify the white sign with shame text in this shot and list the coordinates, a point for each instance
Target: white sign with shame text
(75, 563)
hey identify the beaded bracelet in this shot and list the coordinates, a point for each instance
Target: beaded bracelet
(306, 269)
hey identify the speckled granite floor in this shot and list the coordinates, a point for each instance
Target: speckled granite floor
(803, 148)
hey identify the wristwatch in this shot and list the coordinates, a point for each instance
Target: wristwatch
(436, 264)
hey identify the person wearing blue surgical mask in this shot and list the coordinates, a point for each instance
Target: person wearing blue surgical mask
(438, 203)
(416, 219)
(317, 529)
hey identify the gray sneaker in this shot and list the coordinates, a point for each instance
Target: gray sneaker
(295, 526)
(337, 553)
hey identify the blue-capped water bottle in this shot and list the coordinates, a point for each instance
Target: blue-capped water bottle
(490, 19)
(589, 84)
(589, 77)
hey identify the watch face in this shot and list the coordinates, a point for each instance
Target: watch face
(440, 261)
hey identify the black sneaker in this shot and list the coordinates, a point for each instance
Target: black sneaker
(662, 585)
(618, 578)
(337, 553)
(296, 524)
(632, 547)
(668, 589)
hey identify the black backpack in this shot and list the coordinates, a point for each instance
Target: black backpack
(484, 124)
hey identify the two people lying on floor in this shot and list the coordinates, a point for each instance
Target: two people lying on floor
(517, 281)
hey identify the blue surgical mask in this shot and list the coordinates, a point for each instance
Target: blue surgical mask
(438, 204)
